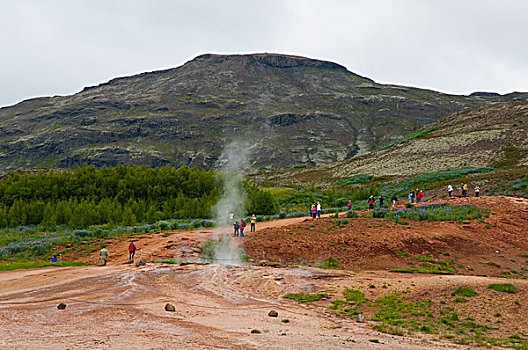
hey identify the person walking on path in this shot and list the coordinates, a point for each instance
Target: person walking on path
(381, 201)
(371, 202)
(464, 189)
(477, 190)
(314, 210)
(318, 210)
(411, 196)
(450, 190)
(242, 227)
(103, 256)
(349, 205)
(393, 201)
(131, 251)
(235, 226)
(419, 195)
(253, 222)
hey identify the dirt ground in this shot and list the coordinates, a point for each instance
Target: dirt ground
(217, 306)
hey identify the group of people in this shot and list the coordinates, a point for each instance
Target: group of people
(464, 188)
(415, 196)
(371, 202)
(315, 210)
(103, 253)
(239, 226)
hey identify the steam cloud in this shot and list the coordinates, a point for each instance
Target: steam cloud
(233, 164)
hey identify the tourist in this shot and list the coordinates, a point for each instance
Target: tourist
(371, 202)
(253, 222)
(449, 190)
(242, 226)
(419, 195)
(393, 201)
(477, 190)
(411, 196)
(314, 210)
(464, 189)
(235, 226)
(131, 250)
(103, 254)
(349, 205)
(318, 210)
(381, 201)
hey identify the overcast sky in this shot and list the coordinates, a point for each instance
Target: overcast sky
(460, 46)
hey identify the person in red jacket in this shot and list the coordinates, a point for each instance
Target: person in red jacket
(371, 202)
(132, 250)
(419, 195)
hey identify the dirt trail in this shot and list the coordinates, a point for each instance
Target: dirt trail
(217, 306)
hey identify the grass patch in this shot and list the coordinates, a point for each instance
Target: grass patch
(38, 264)
(464, 291)
(503, 287)
(329, 263)
(305, 297)
(429, 265)
(169, 261)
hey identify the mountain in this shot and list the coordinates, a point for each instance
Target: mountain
(492, 136)
(281, 110)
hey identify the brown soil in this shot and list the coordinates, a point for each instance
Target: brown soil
(217, 306)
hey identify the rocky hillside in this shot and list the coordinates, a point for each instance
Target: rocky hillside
(495, 136)
(283, 110)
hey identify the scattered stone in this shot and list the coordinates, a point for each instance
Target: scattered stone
(360, 318)
(170, 307)
(282, 332)
(273, 313)
(61, 306)
(277, 278)
(141, 262)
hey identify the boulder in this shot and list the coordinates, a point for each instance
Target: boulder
(360, 318)
(273, 313)
(169, 307)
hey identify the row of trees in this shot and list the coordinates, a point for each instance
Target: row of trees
(126, 195)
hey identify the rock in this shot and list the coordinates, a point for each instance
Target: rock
(169, 307)
(360, 318)
(141, 262)
(273, 313)
(61, 306)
